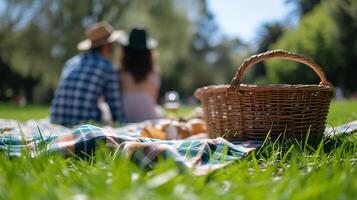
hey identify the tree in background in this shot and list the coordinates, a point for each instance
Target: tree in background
(344, 13)
(269, 33)
(43, 35)
(193, 52)
(37, 36)
(327, 35)
(304, 6)
(13, 16)
(212, 58)
(193, 71)
(312, 38)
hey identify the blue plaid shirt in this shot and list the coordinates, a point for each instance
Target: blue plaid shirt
(84, 79)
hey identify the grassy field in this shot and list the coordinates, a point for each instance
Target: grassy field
(277, 171)
(340, 112)
(11, 111)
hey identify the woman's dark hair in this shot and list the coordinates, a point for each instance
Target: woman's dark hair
(137, 62)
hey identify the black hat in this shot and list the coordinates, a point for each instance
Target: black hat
(138, 39)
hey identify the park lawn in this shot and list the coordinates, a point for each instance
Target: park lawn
(11, 111)
(340, 112)
(282, 170)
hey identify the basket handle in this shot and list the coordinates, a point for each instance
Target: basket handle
(235, 83)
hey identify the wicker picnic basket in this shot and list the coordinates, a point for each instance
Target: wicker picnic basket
(249, 112)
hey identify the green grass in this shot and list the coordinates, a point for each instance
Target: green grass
(342, 112)
(11, 111)
(282, 170)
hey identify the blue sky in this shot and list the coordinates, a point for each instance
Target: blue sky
(243, 18)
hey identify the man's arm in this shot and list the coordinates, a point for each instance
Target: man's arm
(112, 95)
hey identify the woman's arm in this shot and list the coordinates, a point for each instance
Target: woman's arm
(156, 83)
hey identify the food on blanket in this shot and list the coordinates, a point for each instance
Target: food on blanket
(171, 130)
(177, 130)
(151, 132)
(184, 132)
(197, 125)
(3, 130)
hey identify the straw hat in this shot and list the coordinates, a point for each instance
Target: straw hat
(138, 39)
(99, 34)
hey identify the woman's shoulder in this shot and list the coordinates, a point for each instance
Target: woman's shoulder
(124, 74)
(154, 77)
(126, 80)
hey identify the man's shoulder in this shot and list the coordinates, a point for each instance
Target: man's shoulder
(98, 61)
(74, 60)
(90, 60)
(105, 63)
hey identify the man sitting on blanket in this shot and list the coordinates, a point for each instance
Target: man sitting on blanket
(86, 78)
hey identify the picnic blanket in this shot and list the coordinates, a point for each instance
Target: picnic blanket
(201, 155)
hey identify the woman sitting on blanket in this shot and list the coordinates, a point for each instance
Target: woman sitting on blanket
(140, 82)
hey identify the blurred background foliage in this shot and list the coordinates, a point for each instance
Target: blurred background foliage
(37, 36)
(325, 33)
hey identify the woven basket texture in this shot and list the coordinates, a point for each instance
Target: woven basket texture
(249, 112)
